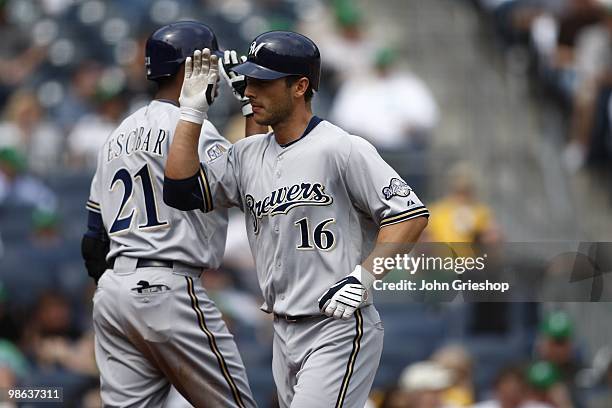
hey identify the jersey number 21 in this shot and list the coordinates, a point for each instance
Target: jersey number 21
(124, 223)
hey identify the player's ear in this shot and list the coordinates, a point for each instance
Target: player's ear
(301, 86)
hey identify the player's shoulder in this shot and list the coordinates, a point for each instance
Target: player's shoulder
(125, 125)
(337, 134)
(342, 139)
(210, 134)
(252, 142)
(329, 137)
(163, 106)
(212, 144)
(327, 129)
(360, 143)
(135, 117)
(127, 120)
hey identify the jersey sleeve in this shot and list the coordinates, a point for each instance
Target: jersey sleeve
(219, 181)
(377, 189)
(212, 145)
(95, 224)
(95, 191)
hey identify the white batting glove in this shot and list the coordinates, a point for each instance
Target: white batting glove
(347, 295)
(236, 82)
(199, 86)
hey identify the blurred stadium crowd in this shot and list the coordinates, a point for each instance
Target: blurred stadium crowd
(71, 69)
(566, 45)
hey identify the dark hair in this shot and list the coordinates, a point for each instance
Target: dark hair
(292, 79)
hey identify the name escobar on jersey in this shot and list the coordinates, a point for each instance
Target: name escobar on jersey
(281, 201)
(135, 141)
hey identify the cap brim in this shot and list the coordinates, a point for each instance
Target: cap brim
(252, 70)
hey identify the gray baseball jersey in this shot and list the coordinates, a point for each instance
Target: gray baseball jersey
(313, 208)
(153, 321)
(127, 191)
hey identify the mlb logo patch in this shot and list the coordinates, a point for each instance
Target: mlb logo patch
(215, 151)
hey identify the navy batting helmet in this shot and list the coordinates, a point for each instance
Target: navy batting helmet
(168, 47)
(278, 54)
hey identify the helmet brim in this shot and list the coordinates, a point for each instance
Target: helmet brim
(252, 70)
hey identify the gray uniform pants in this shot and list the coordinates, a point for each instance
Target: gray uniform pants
(323, 362)
(165, 332)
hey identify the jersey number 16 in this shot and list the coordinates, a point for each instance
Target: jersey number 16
(323, 238)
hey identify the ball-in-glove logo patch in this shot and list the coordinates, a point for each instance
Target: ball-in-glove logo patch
(397, 187)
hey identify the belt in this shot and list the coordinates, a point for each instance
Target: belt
(295, 319)
(147, 263)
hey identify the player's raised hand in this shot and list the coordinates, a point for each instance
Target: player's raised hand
(347, 295)
(236, 82)
(199, 86)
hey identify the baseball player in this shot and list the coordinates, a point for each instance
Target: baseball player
(154, 323)
(317, 201)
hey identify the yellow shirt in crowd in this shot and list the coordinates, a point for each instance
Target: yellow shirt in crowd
(454, 221)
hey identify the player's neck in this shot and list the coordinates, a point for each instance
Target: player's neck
(166, 95)
(169, 93)
(293, 127)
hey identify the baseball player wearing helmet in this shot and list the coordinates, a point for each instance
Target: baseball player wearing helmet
(154, 323)
(317, 201)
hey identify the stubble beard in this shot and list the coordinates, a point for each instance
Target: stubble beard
(277, 113)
